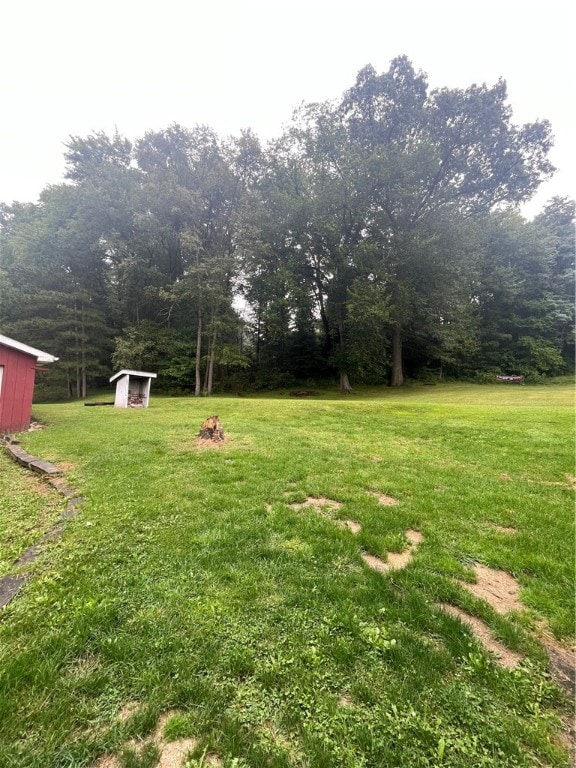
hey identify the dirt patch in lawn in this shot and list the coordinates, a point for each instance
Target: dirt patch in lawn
(352, 525)
(318, 504)
(569, 482)
(497, 588)
(562, 664)
(506, 530)
(501, 591)
(107, 761)
(202, 443)
(173, 754)
(35, 484)
(395, 560)
(562, 660)
(66, 466)
(129, 709)
(374, 562)
(562, 668)
(504, 656)
(385, 499)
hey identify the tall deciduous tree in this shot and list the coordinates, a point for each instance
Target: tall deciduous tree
(374, 192)
(374, 236)
(427, 152)
(203, 182)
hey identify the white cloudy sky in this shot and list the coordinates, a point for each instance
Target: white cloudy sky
(70, 67)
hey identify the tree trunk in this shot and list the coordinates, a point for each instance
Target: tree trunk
(323, 315)
(83, 351)
(397, 374)
(206, 372)
(198, 387)
(258, 322)
(211, 365)
(211, 429)
(345, 386)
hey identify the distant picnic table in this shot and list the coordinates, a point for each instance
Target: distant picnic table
(513, 379)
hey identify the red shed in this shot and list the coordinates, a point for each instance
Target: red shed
(17, 372)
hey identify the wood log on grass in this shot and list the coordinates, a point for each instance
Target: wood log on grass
(212, 429)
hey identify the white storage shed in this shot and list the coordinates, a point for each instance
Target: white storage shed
(132, 388)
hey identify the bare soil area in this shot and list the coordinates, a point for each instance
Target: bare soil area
(318, 503)
(504, 656)
(173, 754)
(502, 592)
(497, 588)
(506, 530)
(352, 525)
(385, 500)
(395, 560)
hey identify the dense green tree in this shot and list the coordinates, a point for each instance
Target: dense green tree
(375, 192)
(556, 225)
(524, 320)
(193, 221)
(376, 236)
(425, 153)
(53, 260)
(88, 157)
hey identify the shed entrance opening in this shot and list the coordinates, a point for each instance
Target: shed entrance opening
(132, 388)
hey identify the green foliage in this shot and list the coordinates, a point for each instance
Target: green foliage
(85, 157)
(374, 238)
(540, 357)
(524, 320)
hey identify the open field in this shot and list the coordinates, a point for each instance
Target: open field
(237, 604)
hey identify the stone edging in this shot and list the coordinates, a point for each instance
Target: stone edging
(11, 584)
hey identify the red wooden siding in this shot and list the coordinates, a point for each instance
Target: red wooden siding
(17, 389)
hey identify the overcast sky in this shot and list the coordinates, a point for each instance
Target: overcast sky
(70, 67)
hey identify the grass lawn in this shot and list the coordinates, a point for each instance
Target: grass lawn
(189, 584)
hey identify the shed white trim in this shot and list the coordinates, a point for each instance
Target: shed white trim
(125, 372)
(42, 357)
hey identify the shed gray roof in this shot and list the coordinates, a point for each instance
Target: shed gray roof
(141, 374)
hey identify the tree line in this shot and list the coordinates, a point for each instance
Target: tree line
(377, 238)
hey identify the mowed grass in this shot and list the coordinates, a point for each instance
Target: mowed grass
(188, 582)
(28, 507)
